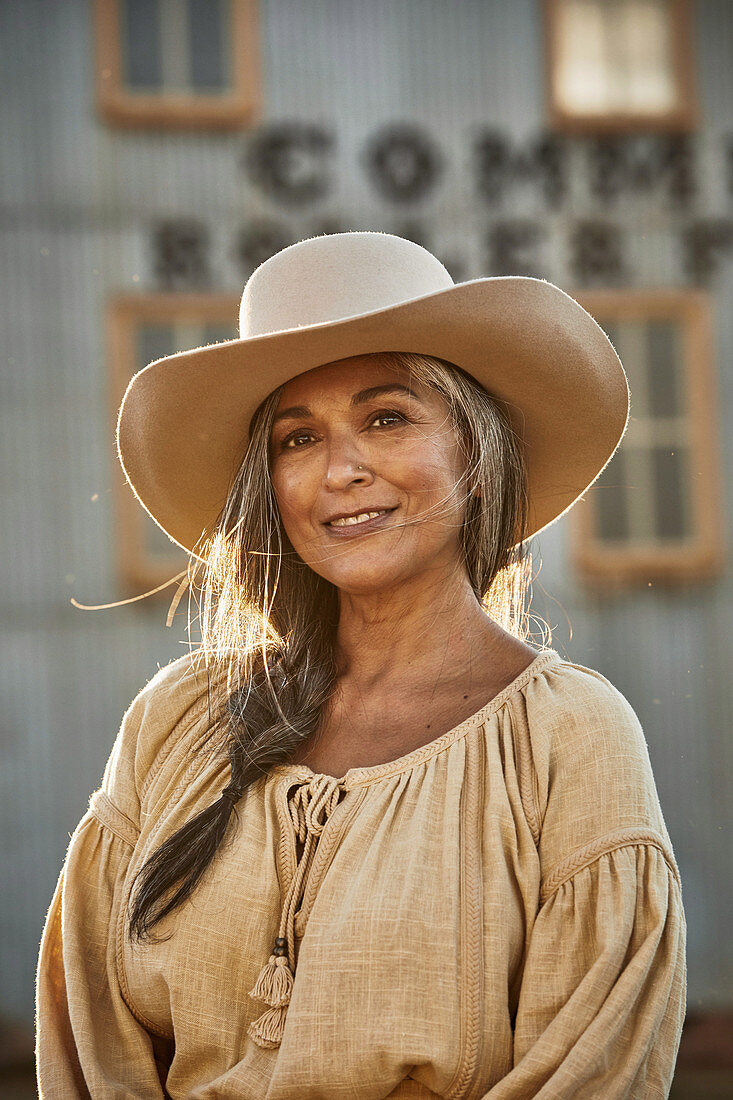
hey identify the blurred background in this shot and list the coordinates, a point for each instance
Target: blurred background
(154, 152)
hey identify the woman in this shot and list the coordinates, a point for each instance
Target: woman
(367, 841)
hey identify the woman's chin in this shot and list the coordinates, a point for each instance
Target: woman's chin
(368, 572)
(366, 578)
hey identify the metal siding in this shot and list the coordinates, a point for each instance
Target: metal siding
(78, 202)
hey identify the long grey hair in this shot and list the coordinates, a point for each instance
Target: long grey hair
(270, 620)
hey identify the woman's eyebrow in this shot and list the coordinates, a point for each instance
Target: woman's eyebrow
(302, 412)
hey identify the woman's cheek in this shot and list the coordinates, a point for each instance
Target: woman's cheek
(295, 505)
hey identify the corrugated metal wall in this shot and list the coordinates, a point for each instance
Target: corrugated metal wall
(78, 203)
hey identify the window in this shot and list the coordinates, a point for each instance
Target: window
(654, 514)
(620, 65)
(141, 329)
(177, 63)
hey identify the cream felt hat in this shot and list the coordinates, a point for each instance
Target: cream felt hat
(183, 423)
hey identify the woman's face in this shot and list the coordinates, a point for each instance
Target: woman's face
(365, 464)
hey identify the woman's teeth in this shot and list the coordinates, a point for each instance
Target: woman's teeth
(349, 521)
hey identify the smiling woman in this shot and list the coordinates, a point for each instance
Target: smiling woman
(368, 841)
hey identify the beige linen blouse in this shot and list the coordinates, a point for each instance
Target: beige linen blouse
(496, 914)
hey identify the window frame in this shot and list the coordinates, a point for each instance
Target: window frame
(683, 117)
(118, 107)
(702, 556)
(138, 570)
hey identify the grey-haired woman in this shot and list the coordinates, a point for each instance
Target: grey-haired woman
(367, 841)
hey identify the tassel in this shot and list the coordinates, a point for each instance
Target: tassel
(275, 983)
(274, 986)
(267, 1029)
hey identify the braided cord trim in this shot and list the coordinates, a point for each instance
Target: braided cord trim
(589, 853)
(113, 819)
(472, 959)
(529, 790)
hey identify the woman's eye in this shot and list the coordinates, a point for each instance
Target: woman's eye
(388, 418)
(297, 439)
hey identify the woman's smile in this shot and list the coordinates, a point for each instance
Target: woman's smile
(350, 524)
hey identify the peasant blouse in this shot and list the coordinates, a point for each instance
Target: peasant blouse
(495, 915)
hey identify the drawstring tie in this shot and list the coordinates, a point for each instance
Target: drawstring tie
(310, 808)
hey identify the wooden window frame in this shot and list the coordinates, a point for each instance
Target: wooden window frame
(138, 570)
(701, 558)
(118, 107)
(684, 117)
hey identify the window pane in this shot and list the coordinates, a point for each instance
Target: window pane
(670, 473)
(216, 333)
(153, 342)
(209, 44)
(645, 65)
(632, 345)
(140, 43)
(582, 66)
(664, 369)
(615, 56)
(610, 497)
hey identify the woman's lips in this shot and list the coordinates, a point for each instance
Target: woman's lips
(346, 526)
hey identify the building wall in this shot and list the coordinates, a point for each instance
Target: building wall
(80, 203)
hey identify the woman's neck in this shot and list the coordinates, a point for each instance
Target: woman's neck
(425, 629)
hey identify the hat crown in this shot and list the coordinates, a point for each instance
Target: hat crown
(331, 278)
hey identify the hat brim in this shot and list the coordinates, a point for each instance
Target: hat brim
(182, 428)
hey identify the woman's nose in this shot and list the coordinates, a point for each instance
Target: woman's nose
(347, 470)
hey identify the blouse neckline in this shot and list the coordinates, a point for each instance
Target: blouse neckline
(359, 777)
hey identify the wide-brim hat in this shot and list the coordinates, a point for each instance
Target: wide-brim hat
(183, 424)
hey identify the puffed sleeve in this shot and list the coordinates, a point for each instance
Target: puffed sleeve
(602, 997)
(88, 1041)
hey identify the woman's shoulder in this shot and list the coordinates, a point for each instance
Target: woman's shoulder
(591, 755)
(577, 710)
(168, 706)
